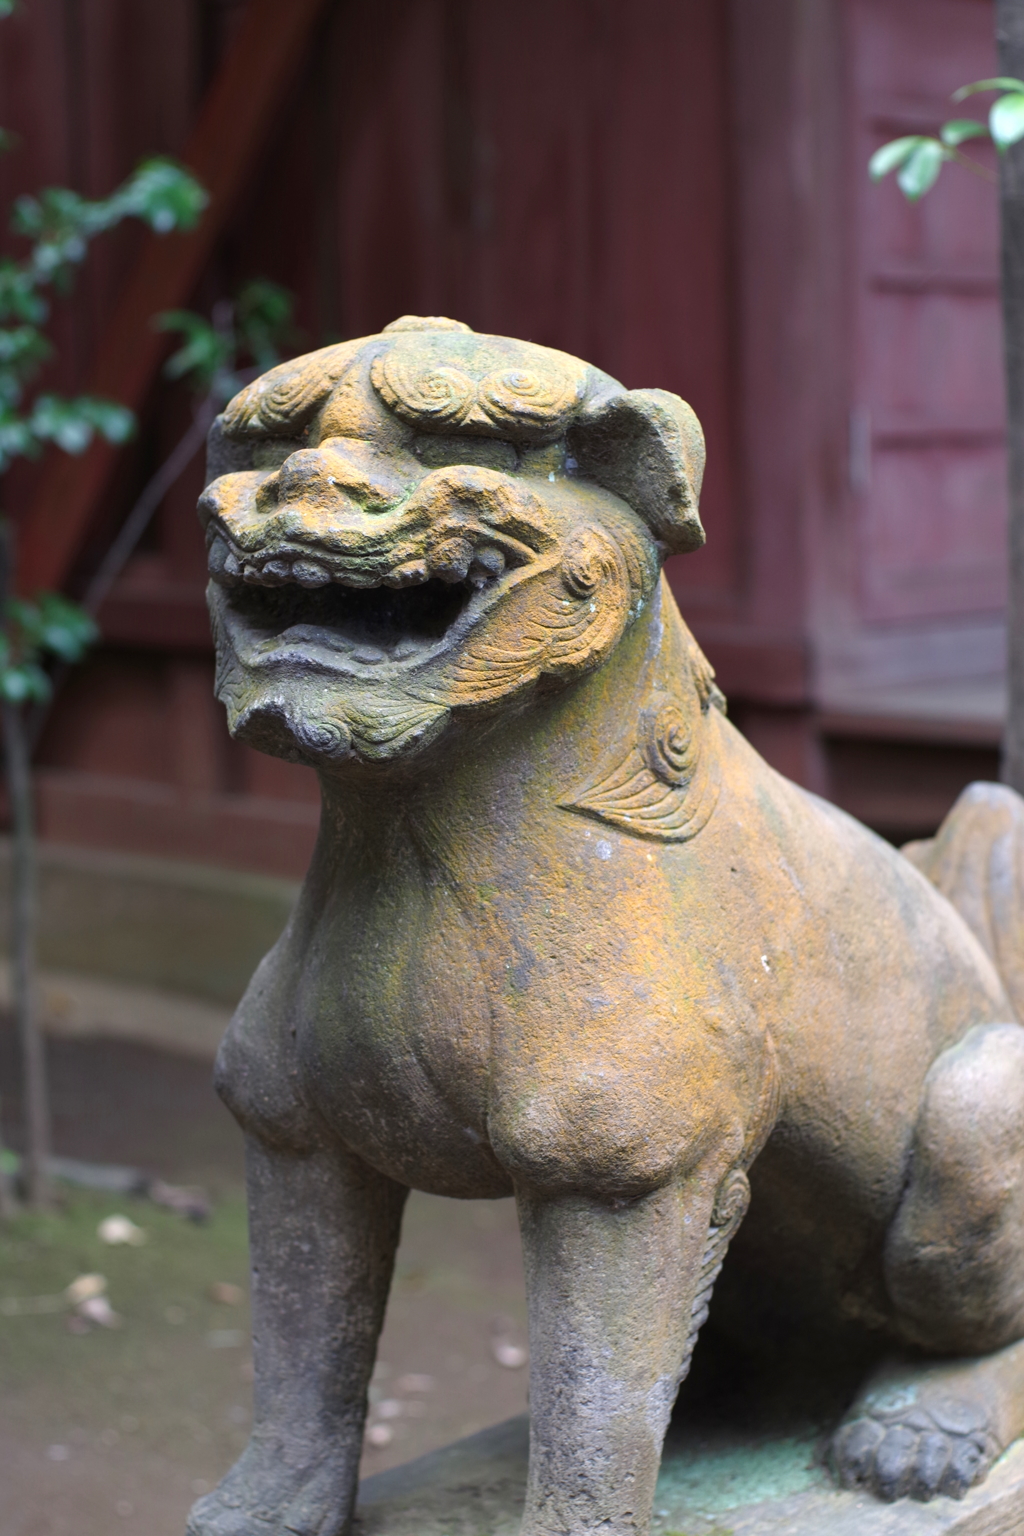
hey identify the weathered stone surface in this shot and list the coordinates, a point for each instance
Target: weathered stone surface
(565, 935)
(721, 1485)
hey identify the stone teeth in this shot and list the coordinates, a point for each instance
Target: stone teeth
(362, 580)
(308, 573)
(251, 571)
(487, 565)
(491, 560)
(451, 560)
(368, 654)
(218, 557)
(408, 575)
(277, 570)
(232, 566)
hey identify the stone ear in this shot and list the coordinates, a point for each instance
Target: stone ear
(646, 445)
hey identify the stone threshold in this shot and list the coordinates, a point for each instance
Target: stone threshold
(712, 1484)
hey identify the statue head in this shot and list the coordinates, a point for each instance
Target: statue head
(415, 525)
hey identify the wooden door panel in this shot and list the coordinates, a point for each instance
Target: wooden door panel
(930, 504)
(934, 533)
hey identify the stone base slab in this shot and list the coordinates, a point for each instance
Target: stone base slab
(714, 1484)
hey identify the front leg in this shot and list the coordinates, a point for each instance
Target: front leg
(323, 1229)
(616, 1293)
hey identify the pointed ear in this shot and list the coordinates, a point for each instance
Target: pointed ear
(646, 446)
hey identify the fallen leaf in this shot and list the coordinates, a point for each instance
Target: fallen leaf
(115, 1230)
(97, 1309)
(415, 1381)
(511, 1356)
(83, 1288)
(226, 1294)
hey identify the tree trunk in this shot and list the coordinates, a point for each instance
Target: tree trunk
(23, 959)
(8, 1204)
(1010, 45)
(18, 762)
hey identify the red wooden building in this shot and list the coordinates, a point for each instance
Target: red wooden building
(672, 189)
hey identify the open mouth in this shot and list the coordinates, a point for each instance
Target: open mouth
(374, 625)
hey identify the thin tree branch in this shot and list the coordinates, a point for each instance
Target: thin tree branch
(127, 539)
(138, 519)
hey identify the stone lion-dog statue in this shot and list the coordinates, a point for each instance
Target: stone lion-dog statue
(565, 936)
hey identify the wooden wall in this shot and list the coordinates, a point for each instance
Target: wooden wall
(673, 189)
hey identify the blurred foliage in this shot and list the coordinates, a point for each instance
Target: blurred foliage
(254, 329)
(60, 224)
(918, 158)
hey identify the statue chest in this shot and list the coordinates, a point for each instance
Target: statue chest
(393, 1028)
(455, 1051)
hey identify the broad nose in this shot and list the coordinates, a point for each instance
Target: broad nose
(336, 472)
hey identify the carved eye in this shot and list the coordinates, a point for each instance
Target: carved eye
(668, 745)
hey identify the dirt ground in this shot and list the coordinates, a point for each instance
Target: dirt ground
(119, 1429)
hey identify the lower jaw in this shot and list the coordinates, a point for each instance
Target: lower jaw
(290, 713)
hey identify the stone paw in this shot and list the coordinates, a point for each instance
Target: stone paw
(944, 1446)
(253, 1500)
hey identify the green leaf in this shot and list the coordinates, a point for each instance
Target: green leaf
(1006, 120)
(24, 620)
(6, 8)
(164, 195)
(893, 155)
(920, 170)
(23, 348)
(17, 441)
(114, 422)
(60, 421)
(206, 353)
(19, 299)
(24, 682)
(263, 313)
(64, 629)
(71, 424)
(999, 83)
(961, 129)
(61, 223)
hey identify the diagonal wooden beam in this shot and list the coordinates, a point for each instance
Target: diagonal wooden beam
(235, 118)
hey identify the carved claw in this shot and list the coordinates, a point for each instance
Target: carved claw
(251, 1502)
(944, 1448)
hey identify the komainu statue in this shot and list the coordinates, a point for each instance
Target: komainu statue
(567, 937)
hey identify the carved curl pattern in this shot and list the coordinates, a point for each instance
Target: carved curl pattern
(294, 398)
(443, 396)
(519, 396)
(667, 744)
(557, 628)
(664, 786)
(530, 402)
(283, 401)
(732, 1200)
